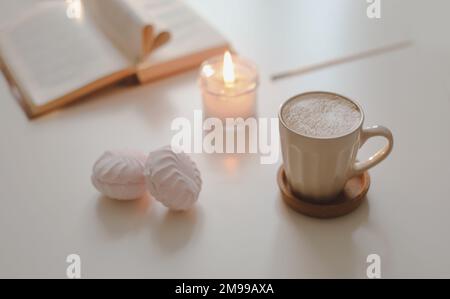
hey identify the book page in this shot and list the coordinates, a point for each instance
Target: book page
(122, 24)
(190, 33)
(50, 54)
(11, 9)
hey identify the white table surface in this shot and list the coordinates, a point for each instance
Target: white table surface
(241, 228)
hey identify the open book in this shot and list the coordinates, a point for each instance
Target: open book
(54, 51)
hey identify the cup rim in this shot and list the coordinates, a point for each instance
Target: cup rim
(358, 127)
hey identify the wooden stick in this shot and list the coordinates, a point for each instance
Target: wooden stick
(345, 59)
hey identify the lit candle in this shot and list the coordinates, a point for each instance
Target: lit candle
(228, 85)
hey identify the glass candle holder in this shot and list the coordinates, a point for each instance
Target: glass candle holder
(229, 84)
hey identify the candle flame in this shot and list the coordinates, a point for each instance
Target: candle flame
(229, 76)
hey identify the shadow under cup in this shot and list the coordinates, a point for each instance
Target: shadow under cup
(318, 167)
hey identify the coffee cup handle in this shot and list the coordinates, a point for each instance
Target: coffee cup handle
(367, 133)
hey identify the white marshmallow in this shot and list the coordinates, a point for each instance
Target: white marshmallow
(172, 179)
(120, 174)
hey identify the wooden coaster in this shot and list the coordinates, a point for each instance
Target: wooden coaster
(352, 196)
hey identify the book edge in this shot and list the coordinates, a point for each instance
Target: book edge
(148, 73)
(32, 110)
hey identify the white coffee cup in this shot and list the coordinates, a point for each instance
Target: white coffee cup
(319, 167)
